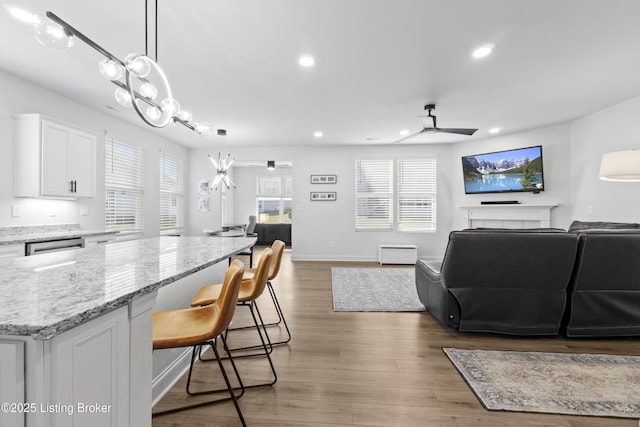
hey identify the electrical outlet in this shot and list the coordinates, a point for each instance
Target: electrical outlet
(590, 210)
(16, 211)
(84, 211)
(332, 244)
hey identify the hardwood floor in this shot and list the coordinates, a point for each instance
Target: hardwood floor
(364, 369)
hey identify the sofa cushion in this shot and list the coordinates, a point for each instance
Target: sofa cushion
(605, 289)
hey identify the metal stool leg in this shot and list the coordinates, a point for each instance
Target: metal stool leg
(229, 388)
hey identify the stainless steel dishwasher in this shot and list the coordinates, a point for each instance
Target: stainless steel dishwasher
(34, 248)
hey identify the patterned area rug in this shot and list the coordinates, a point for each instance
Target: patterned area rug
(374, 289)
(560, 383)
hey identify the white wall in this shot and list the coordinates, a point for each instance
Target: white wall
(326, 230)
(557, 164)
(19, 96)
(612, 129)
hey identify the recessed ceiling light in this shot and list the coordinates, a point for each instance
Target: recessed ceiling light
(317, 134)
(404, 132)
(482, 51)
(21, 14)
(306, 61)
(495, 130)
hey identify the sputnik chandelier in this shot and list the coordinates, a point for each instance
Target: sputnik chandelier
(222, 166)
(140, 81)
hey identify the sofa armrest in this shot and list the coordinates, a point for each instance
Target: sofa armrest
(434, 295)
(432, 268)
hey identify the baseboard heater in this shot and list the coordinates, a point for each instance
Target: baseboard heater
(397, 254)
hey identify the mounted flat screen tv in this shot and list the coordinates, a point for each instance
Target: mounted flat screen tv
(518, 170)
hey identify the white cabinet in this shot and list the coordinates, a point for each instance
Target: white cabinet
(90, 373)
(97, 374)
(53, 159)
(12, 384)
(98, 240)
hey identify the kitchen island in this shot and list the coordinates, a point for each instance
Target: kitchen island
(75, 328)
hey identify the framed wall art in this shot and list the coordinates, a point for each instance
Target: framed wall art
(324, 179)
(323, 196)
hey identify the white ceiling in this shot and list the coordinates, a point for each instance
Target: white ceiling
(378, 62)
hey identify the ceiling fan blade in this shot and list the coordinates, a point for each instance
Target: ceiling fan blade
(458, 131)
(411, 136)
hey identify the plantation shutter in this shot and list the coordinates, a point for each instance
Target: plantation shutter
(124, 188)
(416, 194)
(374, 194)
(171, 193)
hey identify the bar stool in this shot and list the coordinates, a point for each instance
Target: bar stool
(278, 250)
(200, 326)
(250, 290)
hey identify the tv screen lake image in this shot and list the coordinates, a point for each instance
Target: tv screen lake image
(505, 171)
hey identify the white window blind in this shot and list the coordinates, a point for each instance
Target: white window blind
(171, 193)
(416, 194)
(374, 194)
(124, 187)
(269, 186)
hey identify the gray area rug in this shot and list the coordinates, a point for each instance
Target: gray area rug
(559, 383)
(374, 289)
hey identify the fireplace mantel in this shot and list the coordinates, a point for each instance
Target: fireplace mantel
(519, 215)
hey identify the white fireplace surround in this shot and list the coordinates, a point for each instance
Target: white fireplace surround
(508, 216)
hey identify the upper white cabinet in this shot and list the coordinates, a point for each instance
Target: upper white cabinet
(53, 159)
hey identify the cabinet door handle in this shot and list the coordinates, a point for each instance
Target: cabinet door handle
(75, 186)
(71, 186)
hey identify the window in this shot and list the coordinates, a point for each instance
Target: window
(171, 193)
(374, 194)
(416, 194)
(413, 195)
(124, 189)
(273, 198)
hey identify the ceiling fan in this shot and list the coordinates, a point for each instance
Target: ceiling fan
(434, 128)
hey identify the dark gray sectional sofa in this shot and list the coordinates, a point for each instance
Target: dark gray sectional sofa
(583, 282)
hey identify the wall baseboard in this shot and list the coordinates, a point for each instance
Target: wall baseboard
(167, 378)
(348, 258)
(332, 257)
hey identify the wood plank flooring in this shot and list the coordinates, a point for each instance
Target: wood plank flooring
(364, 369)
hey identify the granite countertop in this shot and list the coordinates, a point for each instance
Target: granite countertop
(53, 235)
(40, 233)
(48, 294)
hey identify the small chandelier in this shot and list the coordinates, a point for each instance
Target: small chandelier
(222, 166)
(134, 76)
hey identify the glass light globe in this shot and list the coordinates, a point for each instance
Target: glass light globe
(52, 35)
(170, 106)
(137, 64)
(204, 129)
(111, 69)
(123, 97)
(148, 90)
(154, 113)
(185, 115)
